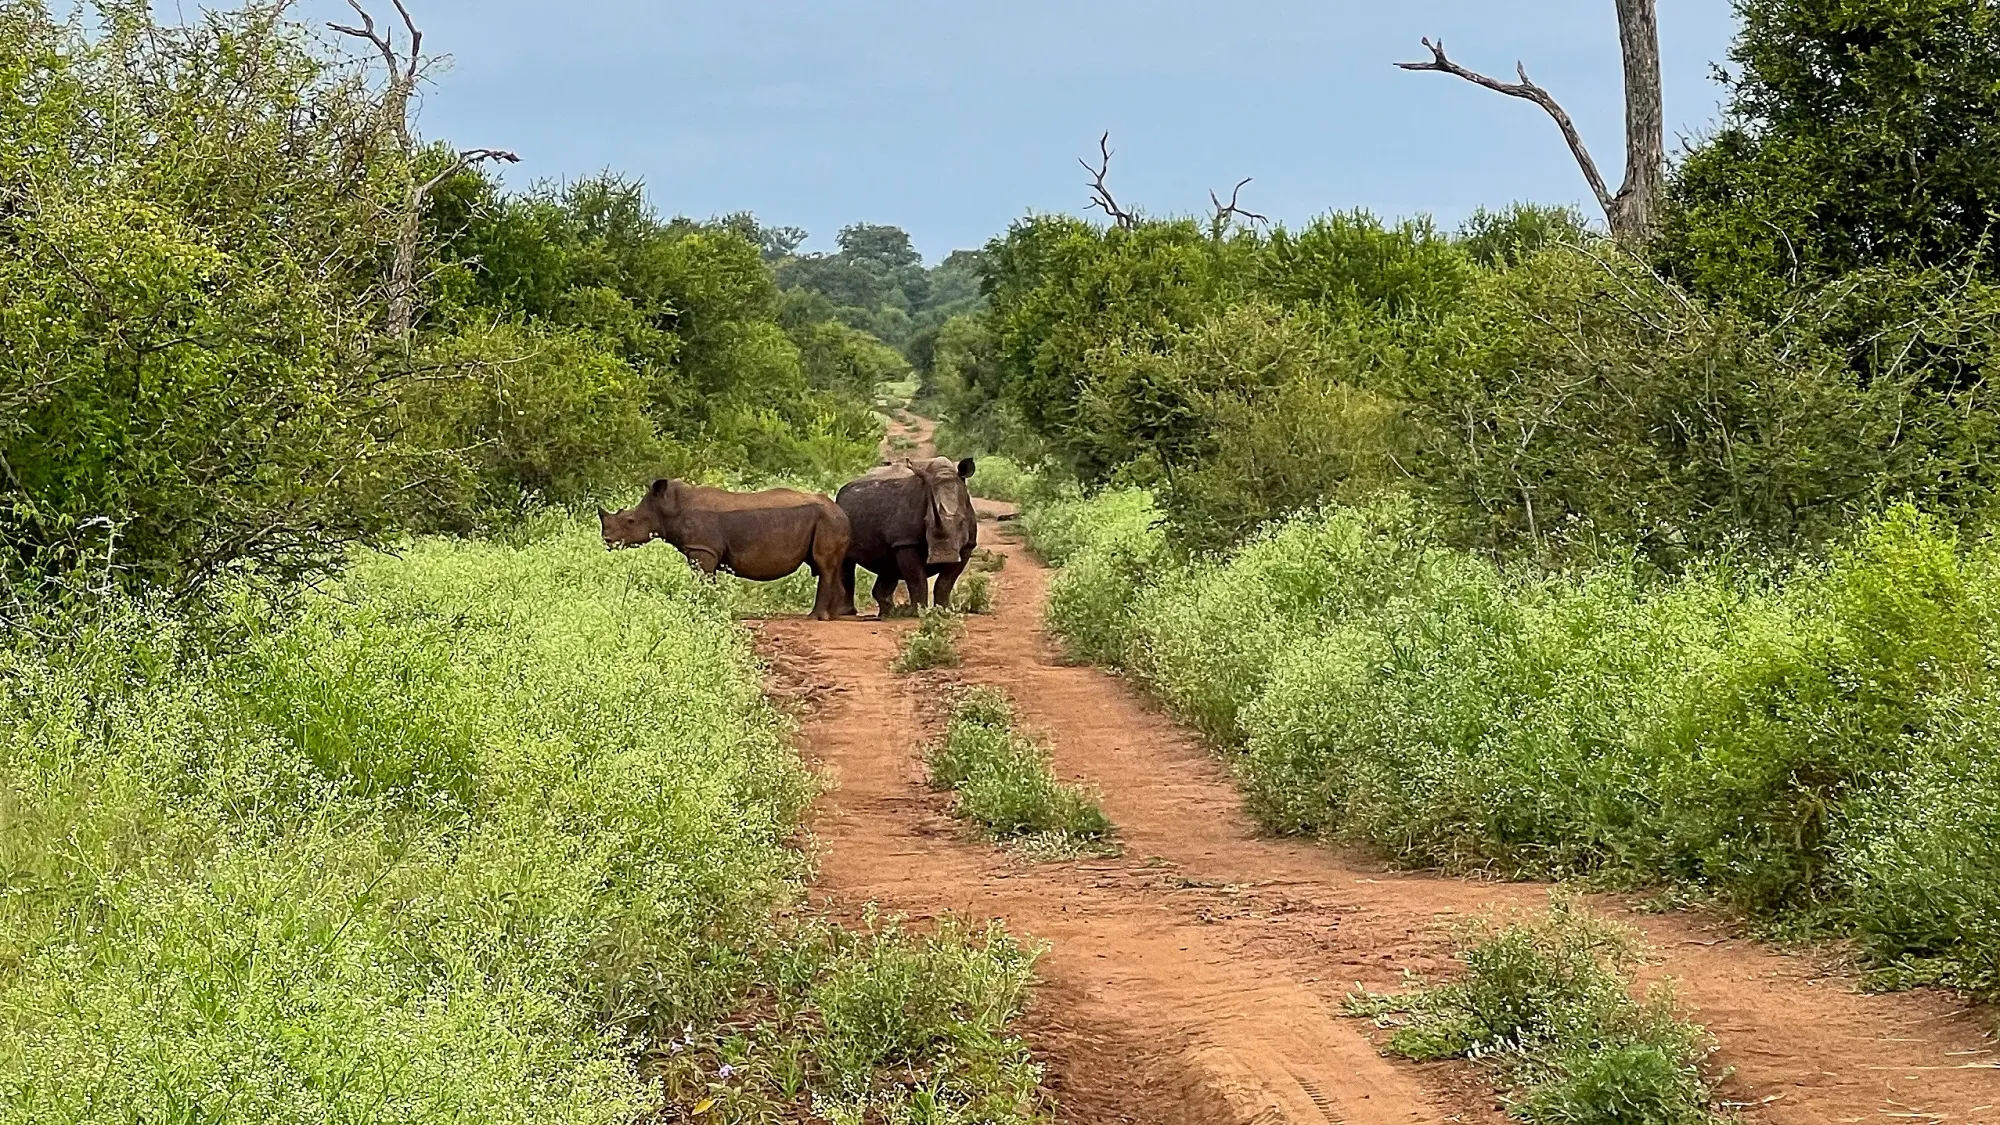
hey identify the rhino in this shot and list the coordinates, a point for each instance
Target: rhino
(763, 536)
(911, 519)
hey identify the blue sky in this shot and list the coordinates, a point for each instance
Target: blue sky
(953, 119)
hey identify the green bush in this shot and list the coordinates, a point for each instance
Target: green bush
(1549, 1003)
(1797, 743)
(539, 418)
(1002, 478)
(933, 643)
(1005, 783)
(191, 301)
(473, 823)
(974, 593)
(1108, 547)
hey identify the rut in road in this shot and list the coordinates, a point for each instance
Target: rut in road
(1198, 977)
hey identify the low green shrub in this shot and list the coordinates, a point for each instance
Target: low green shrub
(1549, 1003)
(1109, 546)
(451, 839)
(1002, 478)
(933, 643)
(1799, 743)
(974, 593)
(1005, 783)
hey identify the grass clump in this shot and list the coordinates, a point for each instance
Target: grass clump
(988, 561)
(974, 593)
(1005, 782)
(933, 643)
(880, 1025)
(456, 836)
(1549, 1003)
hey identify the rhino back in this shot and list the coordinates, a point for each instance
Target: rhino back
(886, 511)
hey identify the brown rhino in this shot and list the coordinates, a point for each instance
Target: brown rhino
(912, 518)
(757, 535)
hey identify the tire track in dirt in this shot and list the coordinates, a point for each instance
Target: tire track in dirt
(1198, 977)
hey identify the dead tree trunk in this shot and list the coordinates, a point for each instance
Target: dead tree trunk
(1629, 210)
(405, 69)
(1632, 209)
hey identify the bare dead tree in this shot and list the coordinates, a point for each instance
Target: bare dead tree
(1629, 210)
(1100, 193)
(405, 71)
(1228, 213)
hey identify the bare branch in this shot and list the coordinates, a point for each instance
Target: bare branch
(1226, 213)
(1527, 90)
(384, 43)
(467, 159)
(405, 70)
(1101, 194)
(416, 41)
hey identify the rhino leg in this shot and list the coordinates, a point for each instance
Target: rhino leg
(910, 563)
(947, 581)
(885, 594)
(707, 560)
(826, 602)
(845, 608)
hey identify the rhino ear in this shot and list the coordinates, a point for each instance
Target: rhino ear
(965, 468)
(660, 487)
(602, 515)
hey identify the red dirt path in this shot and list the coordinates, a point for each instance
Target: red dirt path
(1198, 977)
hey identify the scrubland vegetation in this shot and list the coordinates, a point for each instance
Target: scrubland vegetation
(1656, 562)
(469, 834)
(933, 643)
(498, 827)
(1812, 742)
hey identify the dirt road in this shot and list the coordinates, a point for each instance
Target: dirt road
(1197, 978)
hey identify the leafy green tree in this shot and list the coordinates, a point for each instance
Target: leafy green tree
(691, 308)
(1860, 133)
(538, 415)
(1064, 290)
(876, 283)
(195, 221)
(1577, 395)
(843, 359)
(1497, 239)
(885, 246)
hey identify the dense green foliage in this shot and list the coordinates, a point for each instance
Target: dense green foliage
(1549, 1002)
(1811, 743)
(1812, 335)
(198, 377)
(1545, 390)
(1860, 133)
(1005, 783)
(481, 832)
(1522, 550)
(189, 375)
(696, 376)
(442, 845)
